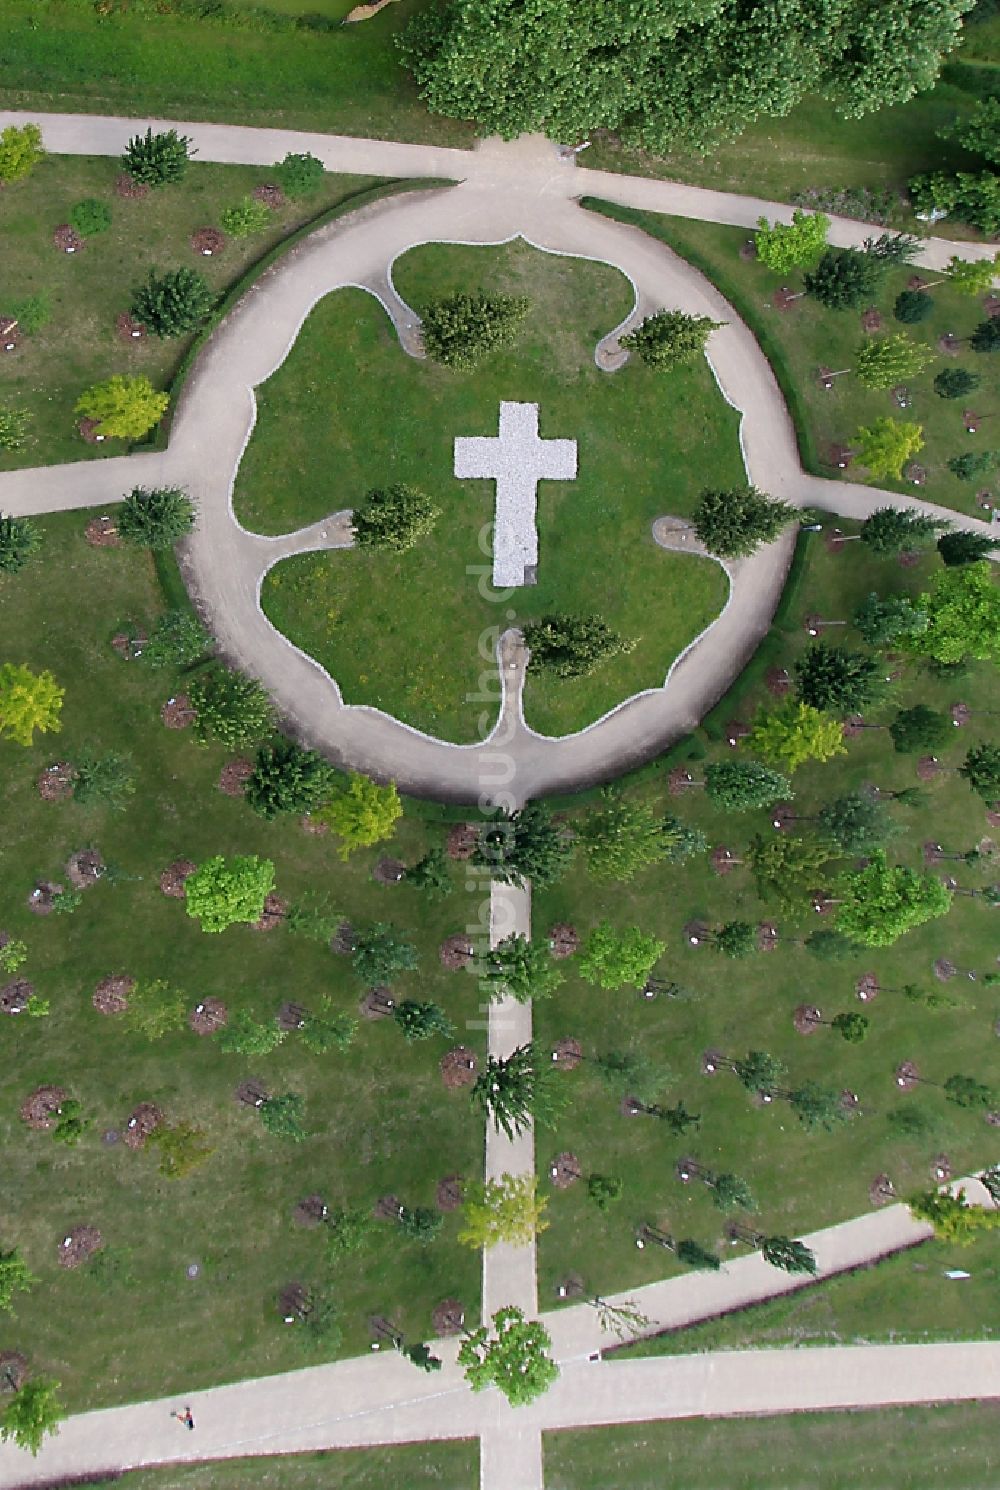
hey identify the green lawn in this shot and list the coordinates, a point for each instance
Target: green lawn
(802, 1180)
(907, 1297)
(807, 336)
(345, 81)
(48, 371)
(646, 444)
(432, 1466)
(378, 1118)
(906, 1448)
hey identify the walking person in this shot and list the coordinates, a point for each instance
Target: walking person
(186, 1417)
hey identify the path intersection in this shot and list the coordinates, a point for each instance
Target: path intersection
(524, 188)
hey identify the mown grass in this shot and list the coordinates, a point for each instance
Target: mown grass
(133, 1324)
(806, 337)
(430, 1466)
(412, 633)
(64, 56)
(802, 1180)
(80, 345)
(900, 1448)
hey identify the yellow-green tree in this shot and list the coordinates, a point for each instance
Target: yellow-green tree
(125, 408)
(885, 446)
(504, 1210)
(362, 813)
(795, 732)
(28, 702)
(20, 151)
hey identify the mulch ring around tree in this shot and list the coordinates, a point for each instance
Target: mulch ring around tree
(881, 1191)
(79, 1244)
(949, 344)
(208, 1016)
(129, 189)
(941, 1170)
(55, 783)
(112, 993)
(142, 1121)
(343, 940)
(387, 1208)
(173, 877)
(448, 1318)
(456, 951)
(907, 1076)
(44, 896)
(13, 1370)
(129, 644)
(89, 431)
(784, 298)
(251, 1093)
(84, 868)
(748, 250)
(871, 320)
(15, 996)
(208, 241)
(696, 933)
(806, 1019)
(102, 532)
(128, 328)
(822, 904)
(178, 713)
(944, 969)
(767, 936)
(274, 912)
(292, 1016)
(272, 196)
(311, 1211)
(960, 714)
(723, 860)
(67, 239)
(293, 1302)
(378, 1003)
(234, 776)
(567, 1053)
(389, 872)
(736, 730)
(778, 680)
(458, 1067)
(680, 781)
(564, 939)
(448, 1196)
(849, 1101)
(993, 816)
(910, 558)
(928, 768)
(867, 987)
(565, 1170)
(932, 852)
(41, 1109)
(462, 840)
(312, 825)
(10, 336)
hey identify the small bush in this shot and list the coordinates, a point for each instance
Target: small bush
(90, 217)
(33, 313)
(300, 175)
(247, 217)
(912, 306)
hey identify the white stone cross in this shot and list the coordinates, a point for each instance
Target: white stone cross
(516, 461)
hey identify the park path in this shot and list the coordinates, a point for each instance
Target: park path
(515, 189)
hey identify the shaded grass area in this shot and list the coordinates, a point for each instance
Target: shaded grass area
(81, 345)
(414, 633)
(378, 1118)
(347, 81)
(802, 1180)
(799, 341)
(430, 1466)
(904, 1299)
(904, 1448)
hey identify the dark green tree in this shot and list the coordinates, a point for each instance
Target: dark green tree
(965, 1091)
(460, 330)
(890, 529)
(90, 217)
(964, 547)
(955, 382)
(760, 1072)
(694, 1255)
(734, 522)
(681, 841)
(347, 1232)
(393, 518)
(527, 844)
(919, 728)
(972, 463)
(178, 639)
(520, 969)
(986, 337)
(856, 823)
(844, 279)
(327, 1031)
(230, 707)
(786, 869)
(157, 159)
(572, 646)
(155, 519)
(836, 679)
(282, 1116)
(300, 175)
(731, 1192)
(736, 938)
(19, 541)
(245, 1035)
(981, 769)
(287, 778)
(419, 1020)
(380, 953)
(788, 1254)
(632, 1072)
(883, 623)
(604, 1189)
(669, 337)
(621, 837)
(431, 874)
(740, 785)
(172, 303)
(106, 780)
(420, 1224)
(829, 945)
(517, 1089)
(852, 1027)
(816, 1106)
(912, 306)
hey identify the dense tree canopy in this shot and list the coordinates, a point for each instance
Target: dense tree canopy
(963, 616)
(669, 337)
(669, 74)
(882, 901)
(732, 524)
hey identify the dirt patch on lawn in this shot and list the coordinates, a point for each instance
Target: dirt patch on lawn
(274, 912)
(41, 1109)
(449, 1192)
(84, 868)
(173, 877)
(102, 532)
(78, 1245)
(208, 1016)
(458, 1067)
(15, 996)
(177, 712)
(567, 1053)
(67, 239)
(234, 776)
(142, 1121)
(55, 783)
(462, 840)
(208, 241)
(311, 1211)
(272, 196)
(112, 993)
(456, 951)
(43, 897)
(448, 1318)
(564, 939)
(129, 189)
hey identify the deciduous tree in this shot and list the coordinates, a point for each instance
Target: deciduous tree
(19, 541)
(393, 518)
(618, 959)
(15, 1277)
(881, 902)
(20, 151)
(785, 868)
(963, 616)
(793, 732)
(520, 969)
(420, 1019)
(981, 769)
(460, 330)
(505, 1210)
(245, 1035)
(361, 813)
(785, 246)
(32, 1413)
(514, 1358)
(621, 837)
(885, 445)
(300, 175)
(572, 646)
(283, 1116)
(124, 408)
(223, 892)
(28, 702)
